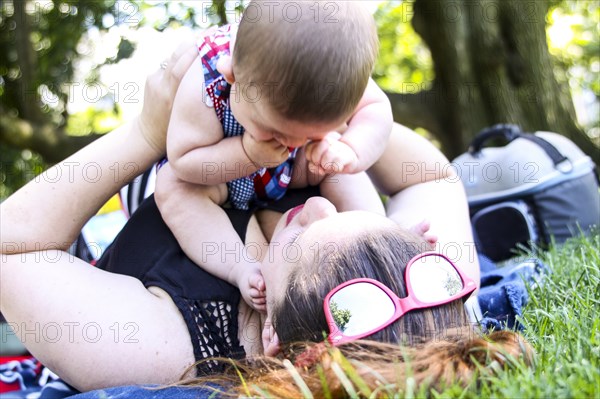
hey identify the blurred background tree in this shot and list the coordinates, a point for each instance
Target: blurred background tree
(450, 68)
(461, 65)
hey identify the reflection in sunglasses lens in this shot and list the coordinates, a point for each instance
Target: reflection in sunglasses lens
(363, 306)
(434, 279)
(359, 308)
(341, 317)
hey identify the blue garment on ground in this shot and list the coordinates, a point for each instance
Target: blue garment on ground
(137, 391)
(503, 291)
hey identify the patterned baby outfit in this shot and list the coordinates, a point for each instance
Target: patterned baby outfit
(266, 184)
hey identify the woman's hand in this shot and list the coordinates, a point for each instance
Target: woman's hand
(159, 94)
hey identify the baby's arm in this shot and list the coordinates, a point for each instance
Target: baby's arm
(348, 192)
(205, 234)
(363, 142)
(352, 192)
(196, 148)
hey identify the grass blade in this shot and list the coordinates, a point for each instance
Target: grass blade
(344, 380)
(298, 379)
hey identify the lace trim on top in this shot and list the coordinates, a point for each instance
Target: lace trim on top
(213, 332)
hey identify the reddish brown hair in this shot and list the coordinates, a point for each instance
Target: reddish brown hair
(437, 364)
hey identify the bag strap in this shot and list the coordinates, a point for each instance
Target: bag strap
(511, 132)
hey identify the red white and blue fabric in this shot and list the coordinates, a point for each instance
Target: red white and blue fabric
(266, 184)
(25, 377)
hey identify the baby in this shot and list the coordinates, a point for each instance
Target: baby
(283, 100)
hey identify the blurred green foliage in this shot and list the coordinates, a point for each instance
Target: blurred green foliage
(54, 29)
(58, 32)
(574, 41)
(404, 60)
(201, 14)
(42, 43)
(93, 120)
(17, 167)
(573, 30)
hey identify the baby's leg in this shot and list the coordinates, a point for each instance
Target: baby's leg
(356, 192)
(205, 234)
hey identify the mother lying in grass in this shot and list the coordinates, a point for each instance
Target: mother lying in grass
(151, 313)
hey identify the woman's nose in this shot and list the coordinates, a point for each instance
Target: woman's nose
(316, 208)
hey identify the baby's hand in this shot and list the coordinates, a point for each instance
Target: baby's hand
(252, 286)
(330, 155)
(264, 153)
(422, 229)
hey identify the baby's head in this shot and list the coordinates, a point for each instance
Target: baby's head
(307, 61)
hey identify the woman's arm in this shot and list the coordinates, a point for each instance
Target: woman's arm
(49, 212)
(422, 185)
(94, 328)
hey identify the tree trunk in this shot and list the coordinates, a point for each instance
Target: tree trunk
(221, 9)
(26, 95)
(492, 65)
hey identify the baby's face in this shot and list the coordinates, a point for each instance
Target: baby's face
(263, 124)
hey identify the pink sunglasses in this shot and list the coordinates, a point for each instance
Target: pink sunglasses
(363, 306)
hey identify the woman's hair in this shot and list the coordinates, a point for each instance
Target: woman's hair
(386, 367)
(381, 255)
(436, 346)
(381, 367)
(309, 60)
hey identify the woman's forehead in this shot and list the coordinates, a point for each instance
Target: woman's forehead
(350, 223)
(339, 230)
(325, 237)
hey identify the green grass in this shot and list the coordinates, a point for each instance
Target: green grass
(562, 320)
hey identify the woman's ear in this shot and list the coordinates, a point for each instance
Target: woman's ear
(225, 68)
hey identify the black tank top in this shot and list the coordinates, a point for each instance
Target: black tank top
(147, 250)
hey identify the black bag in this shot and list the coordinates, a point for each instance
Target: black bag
(536, 188)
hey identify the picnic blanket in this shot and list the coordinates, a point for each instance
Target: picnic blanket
(25, 377)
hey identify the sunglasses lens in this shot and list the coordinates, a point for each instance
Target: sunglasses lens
(434, 279)
(360, 308)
